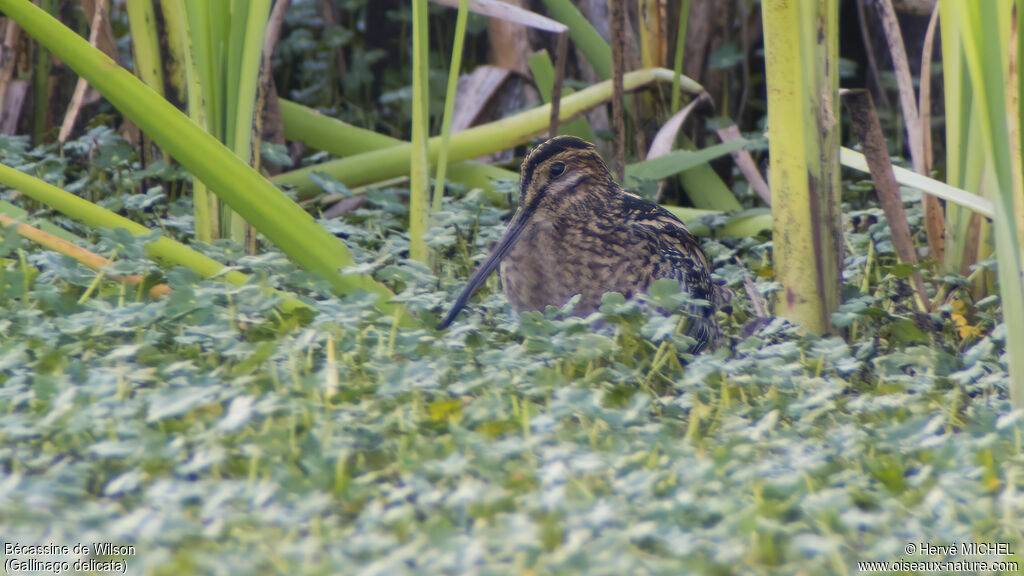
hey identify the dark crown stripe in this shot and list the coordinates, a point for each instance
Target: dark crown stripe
(548, 150)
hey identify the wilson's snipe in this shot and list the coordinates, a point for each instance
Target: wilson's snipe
(578, 232)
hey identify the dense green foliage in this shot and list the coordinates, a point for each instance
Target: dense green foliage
(218, 437)
(216, 433)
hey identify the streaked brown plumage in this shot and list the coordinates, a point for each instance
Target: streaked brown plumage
(578, 232)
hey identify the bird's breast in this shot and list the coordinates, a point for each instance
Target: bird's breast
(551, 263)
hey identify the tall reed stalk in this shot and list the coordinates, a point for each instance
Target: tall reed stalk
(801, 54)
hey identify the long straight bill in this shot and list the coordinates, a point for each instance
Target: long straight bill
(504, 245)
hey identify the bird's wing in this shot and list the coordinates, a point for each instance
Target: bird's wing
(684, 261)
(675, 243)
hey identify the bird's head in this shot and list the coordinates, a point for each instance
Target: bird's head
(563, 178)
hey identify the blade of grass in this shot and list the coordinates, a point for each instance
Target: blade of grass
(449, 102)
(205, 206)
(677, 65)
(963, 135)
(147, 60)
(856, 161)
(242, 109)
(218, 18)
(680, 160)
(233, 46)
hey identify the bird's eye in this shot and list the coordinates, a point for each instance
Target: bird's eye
(557, 168)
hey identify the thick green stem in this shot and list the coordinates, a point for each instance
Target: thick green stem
(419, 179)
(514, 130)
(801, 54)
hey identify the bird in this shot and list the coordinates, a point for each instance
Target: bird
(576, 231)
